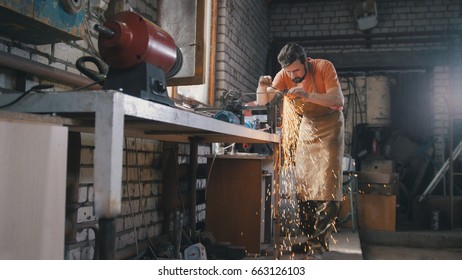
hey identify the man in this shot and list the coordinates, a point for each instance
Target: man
(312, 87)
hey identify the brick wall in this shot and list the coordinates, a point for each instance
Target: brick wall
(336, 18)
(142, 218)
(242, 45)
(332, 18)
(141, 193)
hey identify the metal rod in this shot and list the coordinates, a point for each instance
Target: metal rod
(104, 31)
(441, 172)
(47, 72)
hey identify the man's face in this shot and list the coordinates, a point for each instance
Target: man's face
(296, 71)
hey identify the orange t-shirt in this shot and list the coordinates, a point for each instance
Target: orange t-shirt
(325, 78)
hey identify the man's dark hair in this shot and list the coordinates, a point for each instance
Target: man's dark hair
(291, 52)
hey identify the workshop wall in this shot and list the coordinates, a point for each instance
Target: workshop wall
(334, 22)
(242, 45)
(142, 220)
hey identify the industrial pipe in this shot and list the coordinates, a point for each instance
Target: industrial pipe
(47, 72)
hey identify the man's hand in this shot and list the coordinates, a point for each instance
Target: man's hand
(265, 91)
(333, 99)
(297, 93)
(265, 81)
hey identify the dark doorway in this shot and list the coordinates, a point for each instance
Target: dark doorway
(411, 105)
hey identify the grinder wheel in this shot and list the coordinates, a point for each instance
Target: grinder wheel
(72, 6)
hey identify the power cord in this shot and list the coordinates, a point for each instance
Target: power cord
(141, 208)
(87, 86)
(36, 88)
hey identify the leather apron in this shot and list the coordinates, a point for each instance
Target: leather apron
(319, 154)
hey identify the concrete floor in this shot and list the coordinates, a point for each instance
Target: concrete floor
(374, 252)
(412, 245)
(380, 245)
(344, 245)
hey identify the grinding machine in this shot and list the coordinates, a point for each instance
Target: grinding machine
(140, 55)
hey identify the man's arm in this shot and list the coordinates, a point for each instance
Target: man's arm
(265, 92)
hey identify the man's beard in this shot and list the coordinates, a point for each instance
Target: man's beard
(300, 79)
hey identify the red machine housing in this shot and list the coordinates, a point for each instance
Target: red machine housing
(136, 40)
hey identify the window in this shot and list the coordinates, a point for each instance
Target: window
(192, 32)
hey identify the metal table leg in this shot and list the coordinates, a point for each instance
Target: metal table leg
(109, 124)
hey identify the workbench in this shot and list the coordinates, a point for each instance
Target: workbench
(111, 115)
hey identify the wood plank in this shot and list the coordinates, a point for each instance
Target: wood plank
(33, 118)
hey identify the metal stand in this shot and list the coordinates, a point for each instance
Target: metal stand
(441, 172)
(145, 81)
(106, 239)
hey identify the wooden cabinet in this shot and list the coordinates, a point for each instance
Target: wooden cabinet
(235, 200)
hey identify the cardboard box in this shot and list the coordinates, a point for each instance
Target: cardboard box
(376, 212)
(377, 165)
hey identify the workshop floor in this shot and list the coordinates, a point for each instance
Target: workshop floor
(374, 245)
(412, 245)
(344, 245)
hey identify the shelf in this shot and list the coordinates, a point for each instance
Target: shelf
(242, 156)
